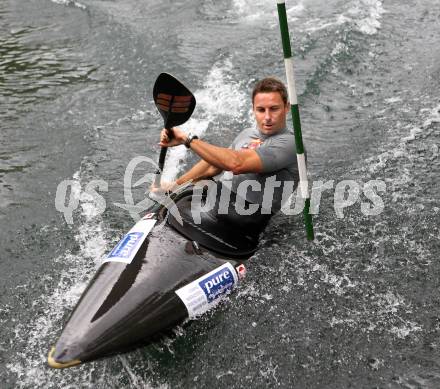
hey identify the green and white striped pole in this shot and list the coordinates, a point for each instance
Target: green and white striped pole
(288, 62)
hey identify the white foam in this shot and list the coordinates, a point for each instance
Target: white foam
(339, 49)
(314, 25)
(252, 10)
(72, 3)
(135, 380)
(258, 10)
(393, 100)
(412, 134)
(334, 321)
(390, 305)
(248, 290)
(30, 363)
(379, 162)
(295, 10)
(222, 95)
(387, 316)
(364, 14)
(405, 329)
(339, 284)
(433, 116)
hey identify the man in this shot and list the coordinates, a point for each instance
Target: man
(262, 160)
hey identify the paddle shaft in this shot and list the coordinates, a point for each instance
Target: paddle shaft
(163, 150)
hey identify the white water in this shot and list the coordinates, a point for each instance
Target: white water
(365, 15)
(30, 364)
(72, 3)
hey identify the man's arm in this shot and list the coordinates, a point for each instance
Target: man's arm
(199, 171)
(238, 162)
(243, 161)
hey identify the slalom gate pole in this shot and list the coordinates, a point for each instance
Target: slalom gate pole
(288, 62)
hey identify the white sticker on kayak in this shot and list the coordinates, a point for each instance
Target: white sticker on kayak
(205, 292)
(129, 245)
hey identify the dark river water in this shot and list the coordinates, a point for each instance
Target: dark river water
(357, 308)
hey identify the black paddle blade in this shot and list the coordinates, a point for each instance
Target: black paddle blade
(173, 100)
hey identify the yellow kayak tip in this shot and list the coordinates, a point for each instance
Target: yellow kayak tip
(57, 365)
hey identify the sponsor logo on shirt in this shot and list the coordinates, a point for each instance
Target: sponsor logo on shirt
(253, 144)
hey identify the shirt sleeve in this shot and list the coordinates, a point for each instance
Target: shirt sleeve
(278, 153)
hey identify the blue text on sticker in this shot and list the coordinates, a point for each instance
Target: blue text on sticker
(125, 247)
(217, 284)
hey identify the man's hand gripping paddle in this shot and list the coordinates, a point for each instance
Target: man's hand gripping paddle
(176, 104)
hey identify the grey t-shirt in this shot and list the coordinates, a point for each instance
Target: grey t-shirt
(278, 156)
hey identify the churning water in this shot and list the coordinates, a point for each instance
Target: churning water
(357, 308)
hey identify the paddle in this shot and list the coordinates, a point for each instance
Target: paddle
(176, 104)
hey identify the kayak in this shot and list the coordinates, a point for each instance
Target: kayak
(161, 273)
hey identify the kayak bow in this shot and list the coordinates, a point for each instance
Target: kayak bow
(154, 279)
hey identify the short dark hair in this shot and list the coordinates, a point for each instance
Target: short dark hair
(270, 84)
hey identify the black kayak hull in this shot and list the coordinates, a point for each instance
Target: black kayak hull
(167, 279)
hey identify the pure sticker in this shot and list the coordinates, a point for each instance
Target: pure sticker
(130, 244)
(206, 291)
(126, 246)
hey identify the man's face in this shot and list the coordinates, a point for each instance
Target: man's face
(270, 112)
